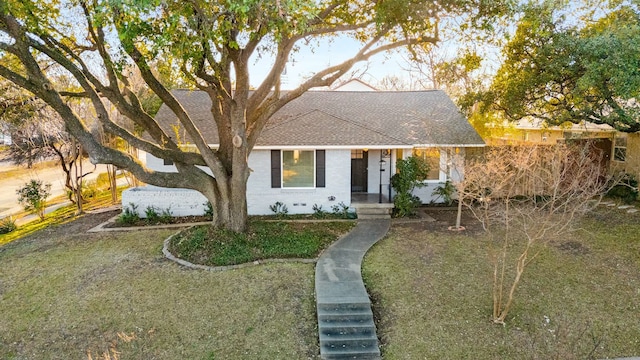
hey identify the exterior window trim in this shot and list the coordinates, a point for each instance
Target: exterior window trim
(442, 173)
(282, 185)
(620, 151)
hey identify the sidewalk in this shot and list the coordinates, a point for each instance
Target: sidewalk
(345, 320)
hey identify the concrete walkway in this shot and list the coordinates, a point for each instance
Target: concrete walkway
(345, 320)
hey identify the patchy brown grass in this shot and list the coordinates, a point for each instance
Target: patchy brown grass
(68, 294)
(432, 292)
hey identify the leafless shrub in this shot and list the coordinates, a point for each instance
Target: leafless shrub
(525, 197)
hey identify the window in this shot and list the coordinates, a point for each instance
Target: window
(167, 162)
(620, 149)
(432, 157)
(298, 168)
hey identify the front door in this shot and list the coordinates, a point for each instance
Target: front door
(359, 160)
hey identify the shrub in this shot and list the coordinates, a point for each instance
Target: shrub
(412, 171)
(626, 190)
(208, 211)
(318, 212)
(279, 209)
(33, 197)
(341, 210)
(166, 216)
(102, 181)
(445, 192)
(129, 215)
(89, 189)
(7, 225)
(151, 214)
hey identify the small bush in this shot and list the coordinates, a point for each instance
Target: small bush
(341, 210)
(33, 197)
(279, 209)
(7, 225)
(166, 216)
(103, 182)
(318, 212)
(129, 215)
(208, 211)
(405, 204)
(89, 189)
(152, 215)
(626, 190)
(445, 192)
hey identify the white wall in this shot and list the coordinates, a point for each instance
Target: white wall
(179, 202)
(260, 195)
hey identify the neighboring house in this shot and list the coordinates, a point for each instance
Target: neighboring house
(531, 131)
(621, 151)
(327, 147)
(626, 154)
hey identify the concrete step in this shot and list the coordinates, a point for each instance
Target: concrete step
(342, 339)
(373, 210)
(340, 353)
(347, 329)
(373, 217)
(353, 316)
(341, 306)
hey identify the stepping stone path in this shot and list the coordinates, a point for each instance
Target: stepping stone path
(345, 320)
(629, 208)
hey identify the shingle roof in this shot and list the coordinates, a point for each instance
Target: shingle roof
(347, 118)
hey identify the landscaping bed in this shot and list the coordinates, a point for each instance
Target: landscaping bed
(206, 245)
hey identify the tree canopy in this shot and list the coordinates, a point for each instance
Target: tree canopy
(571, 71)
(211, 45)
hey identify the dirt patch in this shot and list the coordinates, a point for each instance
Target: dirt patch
(573, 247)
(439, 220)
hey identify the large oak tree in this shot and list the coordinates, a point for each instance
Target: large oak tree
(213, 44)
(562, 68)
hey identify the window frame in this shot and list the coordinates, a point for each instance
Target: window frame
(314, 166)
(622, 149)
(442, 174)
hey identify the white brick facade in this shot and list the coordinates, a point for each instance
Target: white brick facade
(260, 194)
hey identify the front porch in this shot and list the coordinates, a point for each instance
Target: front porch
(371, 206)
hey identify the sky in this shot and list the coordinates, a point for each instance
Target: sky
(309, 59)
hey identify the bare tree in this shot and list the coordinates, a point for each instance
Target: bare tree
(526, 197)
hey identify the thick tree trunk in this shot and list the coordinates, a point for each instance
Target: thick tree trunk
(230, 204)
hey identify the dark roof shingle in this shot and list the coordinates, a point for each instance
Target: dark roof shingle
(346, 118)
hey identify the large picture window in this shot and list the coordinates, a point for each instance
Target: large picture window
(432, 157)
(298, 169)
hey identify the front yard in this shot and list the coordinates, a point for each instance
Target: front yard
(578, 300)
(68, 294)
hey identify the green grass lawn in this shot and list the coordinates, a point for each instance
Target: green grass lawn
(579, 300)
(59, 216)
(68, 294)
(73, 295)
